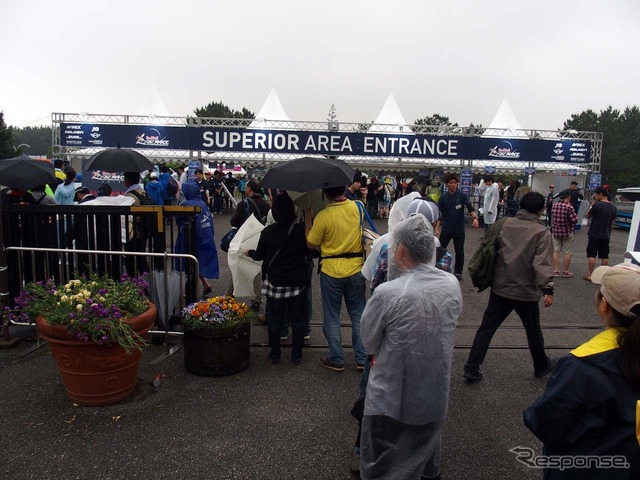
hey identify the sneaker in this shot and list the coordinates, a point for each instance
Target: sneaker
(326, 363)
(472, 374)
(274, 361)
(546, 371)
(307, 337)
(360, 367)
(459, 276)
(284, 337)
(296, 361)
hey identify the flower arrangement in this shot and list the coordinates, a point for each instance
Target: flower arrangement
(92, 309)
(215, 312)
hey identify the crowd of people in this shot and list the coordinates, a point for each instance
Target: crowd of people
(589, 407)
(405, 354)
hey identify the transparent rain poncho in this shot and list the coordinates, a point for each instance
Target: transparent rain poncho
(409, 325)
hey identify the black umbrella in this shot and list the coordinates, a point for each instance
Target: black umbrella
(308, 173)
(119, 160)
(24, 172)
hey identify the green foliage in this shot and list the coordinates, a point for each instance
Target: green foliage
(92, 309)
(6, 139)
(38, 139)
(220, 110)
(435, 119)
(621, 142)
(332, 113)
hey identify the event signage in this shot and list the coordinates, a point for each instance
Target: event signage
(193, 166)
(490, 170)
(302, 142)
(529, 170)
(466, 177)
(595, 180)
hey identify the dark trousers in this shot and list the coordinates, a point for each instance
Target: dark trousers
(217, 202)
(458, 245)
(497, 310)
(290, 310)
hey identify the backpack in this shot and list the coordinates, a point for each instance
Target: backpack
(145, 201)
(172, 188)
(482, 264)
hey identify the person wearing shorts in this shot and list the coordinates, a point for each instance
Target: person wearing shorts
(602, 214)
(563, 225)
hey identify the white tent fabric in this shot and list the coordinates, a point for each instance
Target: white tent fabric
(271, 115)
(390, 115)
(504, 118)
(153, 104)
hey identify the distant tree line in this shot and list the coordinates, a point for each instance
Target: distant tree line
(620, 150)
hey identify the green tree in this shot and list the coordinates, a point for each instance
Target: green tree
(220, 110)
(38, 139)
(422, 124)
(332, 114)
(6, 139)
(621, 142)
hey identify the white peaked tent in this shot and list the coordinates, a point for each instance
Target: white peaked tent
(390, 119)
(271, 115)
(152, 104)
(504, 119)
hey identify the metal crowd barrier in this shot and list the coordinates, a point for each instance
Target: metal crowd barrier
(167, 269)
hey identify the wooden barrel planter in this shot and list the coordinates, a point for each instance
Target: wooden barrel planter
(215, 352)
(93, 373)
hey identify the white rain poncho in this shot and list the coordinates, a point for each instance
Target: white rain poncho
(409, 325)
(397, 214)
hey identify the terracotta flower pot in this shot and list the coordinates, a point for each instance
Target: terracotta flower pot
(92, 373)
(215, 352)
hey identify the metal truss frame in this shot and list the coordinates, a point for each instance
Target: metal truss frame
(400, 164)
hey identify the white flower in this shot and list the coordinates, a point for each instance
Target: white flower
(79, 307)
(86, 293)
(63, 298)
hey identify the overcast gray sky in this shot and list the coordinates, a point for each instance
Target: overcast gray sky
(456, 58)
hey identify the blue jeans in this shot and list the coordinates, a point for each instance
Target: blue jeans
(333, 290)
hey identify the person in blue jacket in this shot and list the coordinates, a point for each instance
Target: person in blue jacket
(588, 417)
(206, 251)
(155, 190)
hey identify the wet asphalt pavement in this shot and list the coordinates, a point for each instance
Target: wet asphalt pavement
(279, 421)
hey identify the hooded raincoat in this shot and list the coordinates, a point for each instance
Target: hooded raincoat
(65, 194)
(206, 251)
(408, 325)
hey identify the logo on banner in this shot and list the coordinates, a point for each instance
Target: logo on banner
(95, 135)
(153, 140)
(504, 150)
(102, 176)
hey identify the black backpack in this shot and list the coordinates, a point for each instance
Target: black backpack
(144, 199)
(172, 188)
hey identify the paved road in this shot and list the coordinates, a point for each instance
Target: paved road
(278, 422)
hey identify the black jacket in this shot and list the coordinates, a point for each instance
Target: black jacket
(289, 268)
(240, 214)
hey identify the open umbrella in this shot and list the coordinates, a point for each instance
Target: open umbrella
(119, 160)
(244, 269)
(308, 173)
(24, 172)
